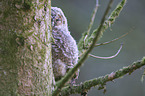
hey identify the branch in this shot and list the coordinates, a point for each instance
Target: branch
(108, 42)
(110, 57)
(87, 85)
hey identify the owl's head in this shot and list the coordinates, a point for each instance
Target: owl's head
(58, 20)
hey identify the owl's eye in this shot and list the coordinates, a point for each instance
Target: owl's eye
(58, 20)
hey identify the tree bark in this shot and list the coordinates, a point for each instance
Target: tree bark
(25, 48)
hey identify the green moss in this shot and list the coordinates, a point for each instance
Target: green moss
(6, 14)
(40, 6)
(17, 1)
(27, 4)
(143, 60)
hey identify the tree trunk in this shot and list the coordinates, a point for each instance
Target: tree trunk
(25, 49)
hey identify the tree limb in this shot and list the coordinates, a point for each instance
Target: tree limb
(87, 85)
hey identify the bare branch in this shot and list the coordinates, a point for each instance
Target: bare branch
(108, 42)
(143, 75)
(109, 56)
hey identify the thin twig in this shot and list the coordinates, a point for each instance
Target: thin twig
(108, 42)
(92, 18)
(86, 34)
(143, 75)
(110, 57)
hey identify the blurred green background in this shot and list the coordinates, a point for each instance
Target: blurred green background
(132, 17)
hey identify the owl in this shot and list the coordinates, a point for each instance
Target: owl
(64, 47)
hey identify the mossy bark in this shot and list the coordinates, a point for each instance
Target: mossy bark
(25, 49)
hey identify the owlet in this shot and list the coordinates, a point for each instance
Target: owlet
(64, 47)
